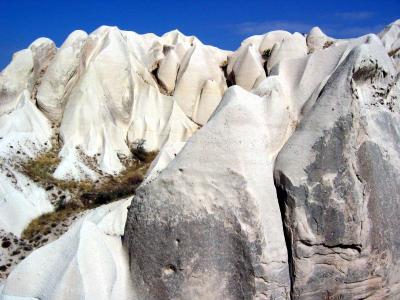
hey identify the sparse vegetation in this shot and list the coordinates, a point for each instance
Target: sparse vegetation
(140, 153)
(42, 223)
(84, 194)
(327, 44)
(117, 187)
(266, 54)
(42, 167)
(393, 52)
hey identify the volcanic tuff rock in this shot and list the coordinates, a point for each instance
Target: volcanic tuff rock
(96, 117)
(200, 229)
(88, 262)
(390, 37)
(341, 200)
(285, 188)
(24, 131)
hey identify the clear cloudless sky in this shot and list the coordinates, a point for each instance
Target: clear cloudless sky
(220, 23)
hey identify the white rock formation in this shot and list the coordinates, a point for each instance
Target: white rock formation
(110, 78)
(23, 132)
(168, 70)
(54, 87)
(293, 47)
(24, 73)
(128, 104)
(224, 202)
(102, 93)
(267, 41)
(245, 66)
(166, 155)
(101, 96)
(317, 40)
(390, 37)
(88, 262)
(338, 180)
(14, 79)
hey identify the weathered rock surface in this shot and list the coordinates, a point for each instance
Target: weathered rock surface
(203, 228)
(287, 188)
(390, 37)
(23, 133)
(60, 76)
(337, 180)
(138, 87)
(88, 262)
(13, 250)
(317, 40)
(67, 95)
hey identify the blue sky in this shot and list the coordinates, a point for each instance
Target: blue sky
(220, 23)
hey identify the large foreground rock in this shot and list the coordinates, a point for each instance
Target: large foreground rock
(209, 226)
(339, 187)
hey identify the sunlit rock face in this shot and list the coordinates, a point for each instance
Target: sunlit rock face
(341, 199)
(390, 37)
(97, 96)
(216, 221)
(136, 87)
(276, 178)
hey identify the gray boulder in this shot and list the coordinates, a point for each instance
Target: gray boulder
(338, 182)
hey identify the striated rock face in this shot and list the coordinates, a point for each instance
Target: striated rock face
(115, 83)
(96, 97)
(338, 186)
(59, 76)
(138, 87)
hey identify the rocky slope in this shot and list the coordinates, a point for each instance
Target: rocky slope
(276, 178)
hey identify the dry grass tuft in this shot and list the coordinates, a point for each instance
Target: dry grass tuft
(266, 54)
(40, 224)
(85, 194)
(117, 187)
(393, 52)
(327, 44)
(42, 167)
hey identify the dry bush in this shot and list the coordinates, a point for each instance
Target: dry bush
(266, 54)
(327, 44)
(393, 52)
